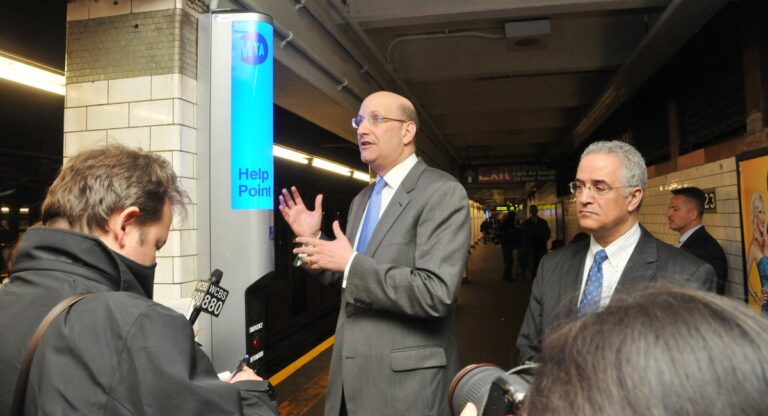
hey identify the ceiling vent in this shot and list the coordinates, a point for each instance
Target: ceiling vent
(528, 34)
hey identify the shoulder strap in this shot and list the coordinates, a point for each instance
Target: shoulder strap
(21, 382)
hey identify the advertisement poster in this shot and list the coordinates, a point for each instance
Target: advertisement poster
(752, 168)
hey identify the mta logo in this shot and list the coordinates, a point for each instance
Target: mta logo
(255, 49)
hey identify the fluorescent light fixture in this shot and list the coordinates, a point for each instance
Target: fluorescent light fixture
(331, 167)
(288, 154)
(24, 210)
(362, 176)
(25, 72)
(5, 210)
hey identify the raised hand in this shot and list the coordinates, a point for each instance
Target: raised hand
(323, 254)
(303, 222)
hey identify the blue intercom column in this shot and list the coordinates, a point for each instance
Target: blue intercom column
(235, 177)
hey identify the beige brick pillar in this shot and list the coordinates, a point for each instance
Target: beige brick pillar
(131, 70)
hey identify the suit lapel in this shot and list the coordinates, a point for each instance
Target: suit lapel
(395, 207)
(641, 266)
(572, 282)
(356, 211)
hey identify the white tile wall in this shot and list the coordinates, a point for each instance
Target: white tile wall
(149, 113)
(77, 9)
(85, 140)
(151, 5)
(74, 119)
(189, 185)
(107, 116)
(184, 113)
(188, 242)
(164, 270)
(131, 137)
(130, 89)
(103, 8)
(184, 269)
(172, 246)
(185, 222)
(86, 93)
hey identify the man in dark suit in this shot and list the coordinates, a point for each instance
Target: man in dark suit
(533, 247)
(581, 277)
(400, 266)
(685, 215)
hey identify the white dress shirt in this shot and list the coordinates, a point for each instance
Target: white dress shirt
(393, 178)
(618, 253)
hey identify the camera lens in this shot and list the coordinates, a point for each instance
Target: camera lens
(472, 385)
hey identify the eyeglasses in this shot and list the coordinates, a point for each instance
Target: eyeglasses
(599, 189)
(376, 120)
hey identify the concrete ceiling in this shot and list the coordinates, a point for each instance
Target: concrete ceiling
(504, 97)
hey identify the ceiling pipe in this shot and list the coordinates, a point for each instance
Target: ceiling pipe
(436, 137)
(680, 21)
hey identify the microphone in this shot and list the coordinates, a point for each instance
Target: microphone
(201, 291)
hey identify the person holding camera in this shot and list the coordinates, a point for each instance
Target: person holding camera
(632, 358)
(581, 277)
(114, 352)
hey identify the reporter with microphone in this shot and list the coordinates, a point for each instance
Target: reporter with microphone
(110, 349)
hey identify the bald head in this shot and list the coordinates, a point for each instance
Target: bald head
(386, 131)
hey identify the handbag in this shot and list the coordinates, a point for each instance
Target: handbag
(19, 395)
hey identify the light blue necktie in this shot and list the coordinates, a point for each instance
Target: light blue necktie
(371, 215)
(593, 290)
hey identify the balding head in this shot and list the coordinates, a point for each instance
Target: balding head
(385, 144)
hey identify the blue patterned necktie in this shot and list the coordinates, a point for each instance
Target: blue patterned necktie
(371, 215)
(593, 290)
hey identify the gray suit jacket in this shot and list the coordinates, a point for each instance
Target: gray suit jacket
(555, 292)
(396, 348)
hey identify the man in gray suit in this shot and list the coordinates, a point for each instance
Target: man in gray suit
(581, 277)
(400, 266)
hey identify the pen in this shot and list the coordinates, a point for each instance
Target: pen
(240, 365)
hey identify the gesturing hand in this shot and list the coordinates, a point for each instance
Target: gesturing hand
(327, 255)
(303, 222)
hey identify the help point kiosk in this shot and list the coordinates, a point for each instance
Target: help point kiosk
(235, 186)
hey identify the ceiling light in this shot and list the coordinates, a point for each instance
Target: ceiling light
(5, 210)
(331, 167)
(25, 72)
(23, 210)
(362, 176)
(289, 154)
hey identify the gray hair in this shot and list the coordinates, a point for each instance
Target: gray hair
(634, 172)
(631, 358)
(96, 183)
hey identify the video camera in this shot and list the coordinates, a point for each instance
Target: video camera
(493, 391)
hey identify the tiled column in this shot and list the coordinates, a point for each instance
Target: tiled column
(131, 79)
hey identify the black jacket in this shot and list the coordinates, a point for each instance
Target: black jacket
(702, 245)
(114, 353)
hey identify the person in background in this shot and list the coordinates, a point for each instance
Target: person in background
(509, 236)
(655, 351)
(757, 254)
(685, 215)
(115, 352)
(533, 246)
(400, 266)
(581, 277)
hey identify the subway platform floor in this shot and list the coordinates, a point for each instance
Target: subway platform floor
(490, 312)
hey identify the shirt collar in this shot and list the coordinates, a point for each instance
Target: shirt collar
(620, 249)
(688, 233)
(397, 174)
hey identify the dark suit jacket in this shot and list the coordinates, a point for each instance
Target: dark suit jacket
(396, 349)
(702, 245)
(556, 289)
